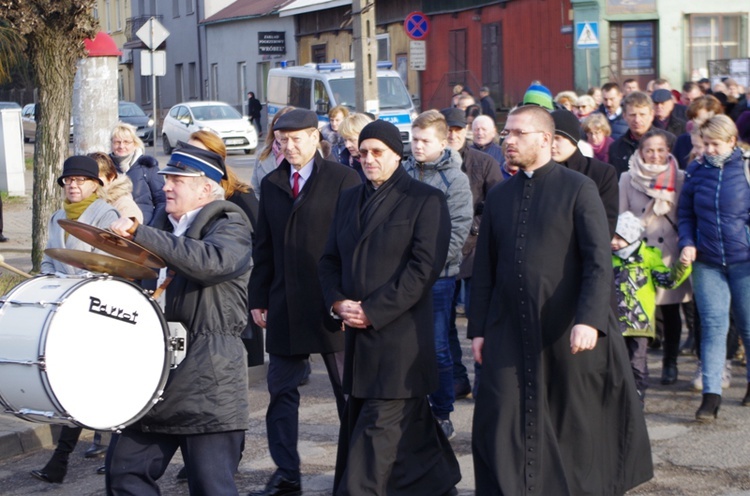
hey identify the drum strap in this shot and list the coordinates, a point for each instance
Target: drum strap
(164, 284)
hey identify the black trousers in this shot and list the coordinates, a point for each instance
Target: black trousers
(139, 459)
(282, 417)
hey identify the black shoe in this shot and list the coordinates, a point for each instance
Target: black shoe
(669, 374)
(280, 486)
(47, 477)
(462, 389)
(746, 399)
(96, 450)
(102, 470)
(709, 409)
(3, 239)
(182, 474)
(55, 470)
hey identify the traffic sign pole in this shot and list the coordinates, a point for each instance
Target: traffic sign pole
(153, 83)
(153, 34)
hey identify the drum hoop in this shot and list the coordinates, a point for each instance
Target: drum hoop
(43, 344)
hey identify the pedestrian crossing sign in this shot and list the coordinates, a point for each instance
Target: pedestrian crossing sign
(587, 35)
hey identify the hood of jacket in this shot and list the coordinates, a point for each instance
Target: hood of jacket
(121, 186)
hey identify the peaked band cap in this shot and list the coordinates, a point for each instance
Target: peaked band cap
(189, 160)
(538, 94)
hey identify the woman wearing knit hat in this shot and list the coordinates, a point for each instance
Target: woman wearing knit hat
(83, 203)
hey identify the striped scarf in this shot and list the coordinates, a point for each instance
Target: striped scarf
(657, 181)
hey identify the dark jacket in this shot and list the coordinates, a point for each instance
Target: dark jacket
(390, 265)
(673, 124)
(493, 150)
(605, 177)
(488, 107)
(289, 241)
(617, 124)
(212, 261)
(147, 187)
(714, 211)
(483, 174)
(623, 147)
(683, 145)
(254, 108)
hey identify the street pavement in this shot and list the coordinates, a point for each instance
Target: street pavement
(690, 458)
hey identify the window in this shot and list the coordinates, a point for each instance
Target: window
(178, 78)
(192, 79)
(457, 56)
(214, 81)
(175, 8)
(300, 91)
(242, 81)
(384, 47)
(146, 89)
(714, 37)
(107, 17)
(318, 54)
(118, 16)
(189, 9)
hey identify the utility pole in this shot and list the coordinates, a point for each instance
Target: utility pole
(365, 56)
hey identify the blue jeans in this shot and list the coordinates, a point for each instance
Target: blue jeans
(460, 375)
(716, 288)
(442, 301)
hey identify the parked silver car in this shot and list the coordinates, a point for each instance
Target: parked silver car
(185, 118)
(28, 120)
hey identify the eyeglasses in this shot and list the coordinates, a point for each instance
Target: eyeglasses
(375, 152)
(122, 142)
(516, 133)
(70, 180)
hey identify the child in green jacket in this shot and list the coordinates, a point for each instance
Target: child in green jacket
(638, 270)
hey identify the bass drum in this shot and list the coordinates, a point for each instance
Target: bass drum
(83, 351)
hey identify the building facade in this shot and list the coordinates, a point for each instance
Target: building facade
(648, 39)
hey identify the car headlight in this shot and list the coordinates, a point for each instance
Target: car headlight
(210, 130)
(150, 123)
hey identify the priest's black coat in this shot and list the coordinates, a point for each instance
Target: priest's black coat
(389, 265)
(548, 422)
(289, 240)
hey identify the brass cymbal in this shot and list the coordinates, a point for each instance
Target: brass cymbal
(112, 243)
(96, 262)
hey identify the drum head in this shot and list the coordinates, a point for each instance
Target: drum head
(106, 353)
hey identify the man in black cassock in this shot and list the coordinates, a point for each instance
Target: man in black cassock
(557, 411)
(387, 244)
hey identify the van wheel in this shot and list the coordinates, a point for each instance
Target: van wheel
(165, 145)
(249, 151)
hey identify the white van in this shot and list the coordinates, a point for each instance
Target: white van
(320, 87)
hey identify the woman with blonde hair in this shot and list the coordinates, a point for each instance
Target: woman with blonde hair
(598, 134)
(566, 99)
(713, 227)
(585, 104)
(143, 170)
(349, 131)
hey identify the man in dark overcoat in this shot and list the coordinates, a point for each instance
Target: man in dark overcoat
(565, 152)
(557, 410)
(297, 202)
(386, 247)
(254, 108)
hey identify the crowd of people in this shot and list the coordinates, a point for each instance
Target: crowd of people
(577, 237)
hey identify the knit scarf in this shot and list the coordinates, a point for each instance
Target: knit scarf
(74, 210)
(122, 162)
(656, 181)
(718, 160)
(627, 252)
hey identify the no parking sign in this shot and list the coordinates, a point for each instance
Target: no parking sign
(417, 26)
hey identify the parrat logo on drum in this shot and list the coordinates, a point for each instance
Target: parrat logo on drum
(111, 311)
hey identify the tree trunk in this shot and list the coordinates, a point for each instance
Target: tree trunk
(53, 58)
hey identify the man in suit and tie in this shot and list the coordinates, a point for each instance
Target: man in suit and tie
(297, 202)
(386, 247)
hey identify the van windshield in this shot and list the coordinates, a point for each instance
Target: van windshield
(392, 93)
